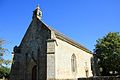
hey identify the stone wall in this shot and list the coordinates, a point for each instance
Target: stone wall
(102, 78)
(33, 50)
(63, 67)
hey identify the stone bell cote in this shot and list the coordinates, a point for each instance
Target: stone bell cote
(37, 13)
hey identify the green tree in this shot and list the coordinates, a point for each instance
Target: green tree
(4, 70)
(107, 51)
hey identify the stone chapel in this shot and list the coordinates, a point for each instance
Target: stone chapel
(46, 54)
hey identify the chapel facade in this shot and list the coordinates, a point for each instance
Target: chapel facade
(46, 54)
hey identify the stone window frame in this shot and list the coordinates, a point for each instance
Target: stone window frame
(73, 63)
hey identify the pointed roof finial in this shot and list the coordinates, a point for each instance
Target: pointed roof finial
(38, 7)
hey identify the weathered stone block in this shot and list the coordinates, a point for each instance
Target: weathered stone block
(50, 46)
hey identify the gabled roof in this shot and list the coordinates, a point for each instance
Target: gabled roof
(66, 39)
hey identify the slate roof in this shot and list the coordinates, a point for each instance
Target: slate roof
(68, 40)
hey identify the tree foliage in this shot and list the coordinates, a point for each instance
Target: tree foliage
(4, 71)
(108, 53)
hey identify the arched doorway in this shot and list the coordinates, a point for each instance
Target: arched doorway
(34, 73)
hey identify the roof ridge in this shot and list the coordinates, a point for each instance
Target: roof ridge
(69, 40)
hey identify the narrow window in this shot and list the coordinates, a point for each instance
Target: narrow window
(73, 63)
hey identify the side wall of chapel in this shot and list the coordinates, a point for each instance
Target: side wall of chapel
(63, 61)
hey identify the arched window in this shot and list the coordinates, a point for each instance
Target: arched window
(73, 63)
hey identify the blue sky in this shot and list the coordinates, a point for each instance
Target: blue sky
(82, 20)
